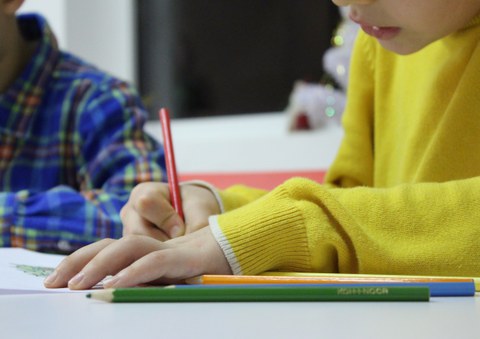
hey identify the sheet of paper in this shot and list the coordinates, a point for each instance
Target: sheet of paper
(23, 271)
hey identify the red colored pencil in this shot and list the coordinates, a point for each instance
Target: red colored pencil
(175, 197)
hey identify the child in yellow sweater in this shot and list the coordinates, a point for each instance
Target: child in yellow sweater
(402, 196)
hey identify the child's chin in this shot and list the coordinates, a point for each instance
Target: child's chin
(401, 48)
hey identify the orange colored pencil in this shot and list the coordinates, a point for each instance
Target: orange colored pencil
(332, 279)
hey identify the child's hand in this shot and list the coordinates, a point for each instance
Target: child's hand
(135, 260)
(149, 211)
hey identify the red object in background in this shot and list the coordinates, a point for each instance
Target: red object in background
(302, 121)
(263, 180)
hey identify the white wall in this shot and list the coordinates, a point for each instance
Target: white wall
(99, 31)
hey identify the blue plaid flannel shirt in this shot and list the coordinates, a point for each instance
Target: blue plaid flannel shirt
(72, 147)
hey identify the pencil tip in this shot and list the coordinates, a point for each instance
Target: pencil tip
(194, 280)
(104, 295)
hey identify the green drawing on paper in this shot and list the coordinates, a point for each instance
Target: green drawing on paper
(35, 270)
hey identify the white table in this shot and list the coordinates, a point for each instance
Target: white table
(74, 316)
(239, 143)
(254, 142)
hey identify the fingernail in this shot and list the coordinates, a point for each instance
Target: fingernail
(51, 278)
(110, 281)
(76, 279)
(176, 231)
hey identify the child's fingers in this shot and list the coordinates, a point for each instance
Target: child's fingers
(181, 258)
(161, 214)
(160, 267)
(134, 223)
(113, 258)
(74, 263)
(151, 202)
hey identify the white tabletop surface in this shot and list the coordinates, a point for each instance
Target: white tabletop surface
(240, 143)
(262, 142)
(74, 316)
(254, 142)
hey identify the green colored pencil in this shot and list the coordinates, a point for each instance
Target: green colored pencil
(261, 293)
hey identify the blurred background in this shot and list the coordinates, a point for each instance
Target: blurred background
(200, 58)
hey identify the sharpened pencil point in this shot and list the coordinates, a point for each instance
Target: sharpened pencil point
(195, 280)
(104, 295)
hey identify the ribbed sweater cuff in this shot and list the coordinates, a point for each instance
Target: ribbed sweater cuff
(268, 234)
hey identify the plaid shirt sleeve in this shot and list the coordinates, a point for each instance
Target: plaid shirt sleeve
(104, 154)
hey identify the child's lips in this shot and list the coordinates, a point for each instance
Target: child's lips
(381, 33)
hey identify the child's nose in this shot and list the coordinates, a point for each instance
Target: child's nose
(352, 2)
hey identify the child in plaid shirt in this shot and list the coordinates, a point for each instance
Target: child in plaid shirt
(72, 144)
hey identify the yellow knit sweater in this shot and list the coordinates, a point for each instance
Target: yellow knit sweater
(403, 195)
